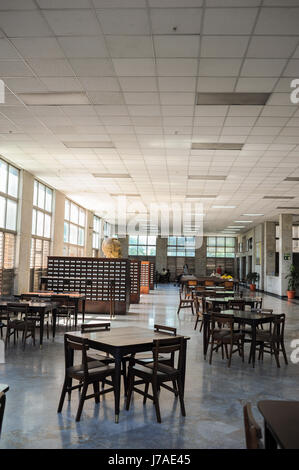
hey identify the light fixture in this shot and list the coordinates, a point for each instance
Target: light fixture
(207, 177)
(53, 99)
(201, 196)
(292, 178)
(89, 145)
(223, 207)
(246, 99)
(111, 175)
(243, 221)
(279, 197)
(253, 215)
(287, 208)
(215, 146)
(236, 226)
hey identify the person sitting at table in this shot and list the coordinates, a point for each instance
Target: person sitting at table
(219, 270)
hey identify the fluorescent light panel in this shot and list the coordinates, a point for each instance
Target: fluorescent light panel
(288, 208)
(126, 195)
(111, 175)
(243, 221)
(215, 146)
(253, 215)
(246, 99)
(200, 196)
(89, 145)
(53, 99)
(279, 197)
(292, 178)
(207, 177)
(223, 207)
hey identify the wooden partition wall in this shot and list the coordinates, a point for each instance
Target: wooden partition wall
(145, 277)
(135, 281)
(101, 280)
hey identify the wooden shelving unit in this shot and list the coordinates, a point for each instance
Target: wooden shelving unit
(101, 280)
(152, 275)
(145, 277)
(135, 281)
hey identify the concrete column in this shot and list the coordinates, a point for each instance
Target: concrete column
(23, 243)
(201, 258)
(124, 246)
(161, 254)
(269, 248)
(285, 247)
(58, 224)
(88, 234)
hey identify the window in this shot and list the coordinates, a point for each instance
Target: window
(96, 236)
(7, 262)
(74, 229)
(42, 210)
(107, 229)
(142, 245)
(9, 189)
(220, 247)
(181, 246)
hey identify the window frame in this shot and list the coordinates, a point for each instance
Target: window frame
(181, 247)
(68, 222)
(8, 197)
(140, 244)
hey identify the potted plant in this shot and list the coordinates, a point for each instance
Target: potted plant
(252, 278)
(293, 278)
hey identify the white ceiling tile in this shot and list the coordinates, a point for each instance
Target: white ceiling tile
(52, 4)
(177, 67)
(271, 121)
(130, 46)
(14, 68)
(278, 21)
(229, 20)
(143, 110)
(92, 67)
(122, 21)
(279, 99)
(105, 97)
(283, 111)
(72, 22)
(177, 110)
(51, 67)
(136, 84)
(240, 121)
(176, 21)
(25, 85)
(255, 84)
(176, 46)
(61, 84)
(262, 67)
(292, 69)
(24, 23)
(269, 47)
(84, 46)
(174, 3)
(141, 98)
(42, 48)
(119, 3)
(211, 110)
(177, 98)
(7, 51)
(134, 67)
(223, 46)
(219, 67)
(221, 84)
(112, 110)
(100, 83)
(170, 84)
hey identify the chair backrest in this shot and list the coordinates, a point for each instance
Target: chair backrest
(72, 344)
(228, 284)
(17, 307)
(258, 302)
(278, 325)
(92, 327)
(192, 283)
(265, 311)
(166, 329)
(199, 304)
(236, 305)
(220, 320)
(253, 432)
(2, 408)
(209, 283)
(168, 346)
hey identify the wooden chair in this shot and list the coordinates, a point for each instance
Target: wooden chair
(18, 320)
(94, 355)
(228, 284)
(86, 373)
(236, 305)
(223, 334)
(2, 408)
(258, 303)
(200, 308)
(253, 432)
(185, 303)
(272, 340)
(158, 374)
(209, 283)
(148, 358)
(65, 308)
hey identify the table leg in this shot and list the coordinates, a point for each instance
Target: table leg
(270, 442)
(76, 311)
(118, 359)
(253, 343)
(205, 336)
(54, 317)
(41, 329)
(83, 310)
(184, 365)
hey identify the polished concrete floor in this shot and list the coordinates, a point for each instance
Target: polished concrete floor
(214, 394)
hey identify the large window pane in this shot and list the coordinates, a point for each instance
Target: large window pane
(35, 193)
(41, 196)
(133, 240)
(81, 236)
(40, 224)
(34, 222)
(211, 241)
(2, 211)
(11, 215)
(73, 234)
(3, 176)
(151, 251)
(74, 217)
(67, 210)
(13, 181)
(142, 240)
(132, 250)
(142, 250)
(49, 194)
(82, 218)
(66, 232)
(47, 229)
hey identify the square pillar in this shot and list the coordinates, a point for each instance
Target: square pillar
(58, 223)
(285, 248)
(161, 254)
(201, 259)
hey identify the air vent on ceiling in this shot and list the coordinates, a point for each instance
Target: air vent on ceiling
(278, 197)
(207, 177)
(53, 99)
(215, 146)
(111, 175)
(245, 99)
(292, 178)
(89, 145)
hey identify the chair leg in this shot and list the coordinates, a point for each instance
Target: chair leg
(180, 389)
(211, 352)
(276, 353)
(284, 352)
(96, 389)
(130, 389)
(156, 401)
(145, 391)
(197, 320)
(81, 403)
(230, 355)
(124, 371)
(62, 396)
(201, 326)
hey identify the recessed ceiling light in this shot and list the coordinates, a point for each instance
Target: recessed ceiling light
(207, 177)
(246, 99)
(236, 226)
(253, 215)
(215, 146)
(292, 178)
(223, 207)
(53, 99)
(279, 197)
(243, 221)
(89, 145)
(200, 196)
(111, 175)
(126, 195)
(287, 208)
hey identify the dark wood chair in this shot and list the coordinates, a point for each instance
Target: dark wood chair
(18, 320)
(200, 308)
(148, 358)
(271, 341)
(157, 374)
(253, 432)
(258, 303)
(185, 303)
(236, 305)
(65, 308)
(223, 334)
(2, 408)
(86, 373)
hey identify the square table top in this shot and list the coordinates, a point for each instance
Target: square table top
(282, 418)
(124, 336)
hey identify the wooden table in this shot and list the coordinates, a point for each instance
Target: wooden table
(4, 388)
(242, 317)
(281, 419)
(122, 341)
(72, 296)
(216, 301)
(41, 308)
